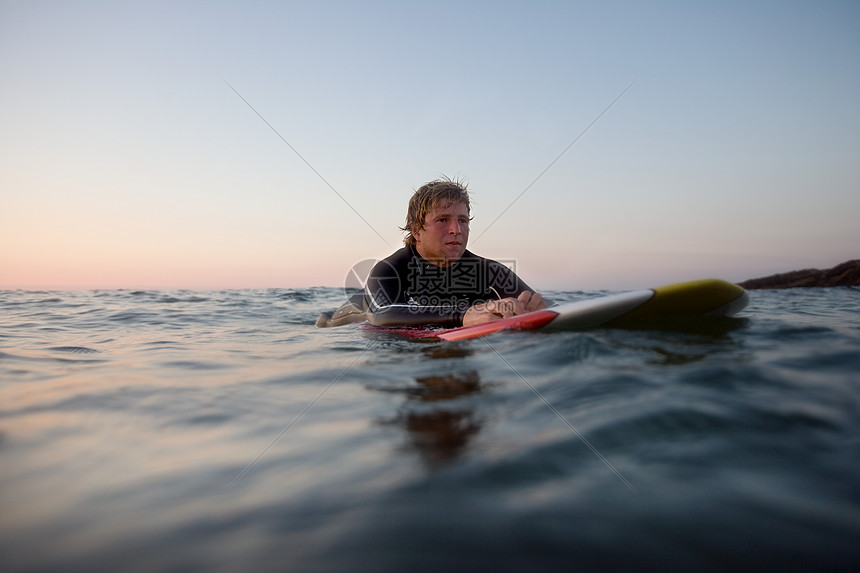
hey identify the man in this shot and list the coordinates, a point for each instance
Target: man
(434, 280)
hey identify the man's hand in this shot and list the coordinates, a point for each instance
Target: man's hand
(531, 301)
(498, 309)
(480, 313)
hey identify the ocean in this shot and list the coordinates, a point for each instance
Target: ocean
(223, 431)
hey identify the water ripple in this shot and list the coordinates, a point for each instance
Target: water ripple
(127, 416)
(73, 349)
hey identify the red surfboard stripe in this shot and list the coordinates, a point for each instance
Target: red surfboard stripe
(528, 321)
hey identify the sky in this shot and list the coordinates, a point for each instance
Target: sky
(237, 144)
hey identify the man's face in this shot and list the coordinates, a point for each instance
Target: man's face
(443, 239)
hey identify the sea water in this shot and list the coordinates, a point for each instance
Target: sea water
(223, 431)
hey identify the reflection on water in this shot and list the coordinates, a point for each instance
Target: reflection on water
(442, 350)
(682, 341)
(439, 425)
(713, 327)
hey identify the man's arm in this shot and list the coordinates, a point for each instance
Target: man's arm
(415, 315)
(387, 304)
(515, 297)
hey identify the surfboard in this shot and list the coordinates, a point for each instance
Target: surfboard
(634, 309)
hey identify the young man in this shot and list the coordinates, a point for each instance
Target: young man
(434, 280)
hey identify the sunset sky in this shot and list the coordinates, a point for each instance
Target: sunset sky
(127, 161)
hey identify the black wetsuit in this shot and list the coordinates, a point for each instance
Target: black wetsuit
(406, 289)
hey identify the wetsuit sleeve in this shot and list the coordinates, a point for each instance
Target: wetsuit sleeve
(416, 315)
(387, 303)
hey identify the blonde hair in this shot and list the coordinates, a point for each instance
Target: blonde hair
(438, 193)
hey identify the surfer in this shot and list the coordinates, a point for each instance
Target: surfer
(433, 279)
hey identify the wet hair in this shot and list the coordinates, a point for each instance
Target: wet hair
(440, 193)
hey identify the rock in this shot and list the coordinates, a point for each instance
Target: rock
(846, 274)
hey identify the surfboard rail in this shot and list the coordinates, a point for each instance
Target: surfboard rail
(700, 298)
